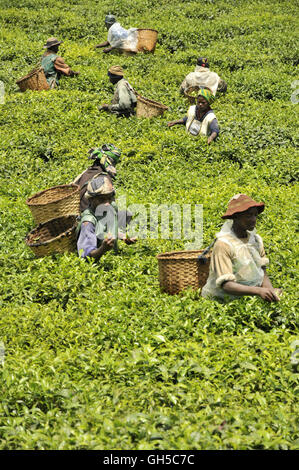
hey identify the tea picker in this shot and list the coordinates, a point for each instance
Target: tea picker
(104, 161)
(118, 37)
(203, 77)
(238, 260)
(101, 225)
(131, 40)
(124, 100)
(200, 119)
(54, 66)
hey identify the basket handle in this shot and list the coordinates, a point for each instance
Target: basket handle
(202, 259)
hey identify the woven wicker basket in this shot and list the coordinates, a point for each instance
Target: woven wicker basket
(147, 40)
(191, 98)
(54, 236)
(34, 80)
(179, 270)
(149, 108)
(55, 202)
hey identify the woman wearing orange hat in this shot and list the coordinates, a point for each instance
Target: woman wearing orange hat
(238, 261)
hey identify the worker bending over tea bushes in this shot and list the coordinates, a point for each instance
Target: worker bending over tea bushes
(203, 77)
(200, 119)
(119, 37)
(105, 160)
(53, 65)
(124, 100)
(101, 225)
(238, 260)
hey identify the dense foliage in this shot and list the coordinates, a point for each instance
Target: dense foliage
(96, 357)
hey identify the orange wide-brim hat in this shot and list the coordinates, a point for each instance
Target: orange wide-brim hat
(241, 203)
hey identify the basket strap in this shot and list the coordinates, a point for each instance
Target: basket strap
(202, 259)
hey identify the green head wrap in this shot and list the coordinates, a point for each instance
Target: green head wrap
(108, 156)
(107, 150)
(206, 94)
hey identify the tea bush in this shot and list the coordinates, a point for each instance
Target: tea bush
(96, 357)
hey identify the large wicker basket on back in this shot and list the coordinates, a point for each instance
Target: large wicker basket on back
(191, 94)
(149, 108)
(179, 270)
(55, 202)
(54, 236)
(147, 40)
(34, 80)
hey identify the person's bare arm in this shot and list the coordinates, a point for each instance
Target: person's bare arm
(128, 240)
(267, 284)
(61, 66)
(266, 281)
(174, 123)
(108, 49)
(102, 44)
(105, 246)
(266, 293)
(212, 137)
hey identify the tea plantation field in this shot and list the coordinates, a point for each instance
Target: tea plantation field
(94, 355)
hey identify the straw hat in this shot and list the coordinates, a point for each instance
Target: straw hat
(241, 203)
(52, 42)
(116, 70)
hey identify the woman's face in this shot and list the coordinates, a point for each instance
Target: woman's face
(202, 104)
(247, 220)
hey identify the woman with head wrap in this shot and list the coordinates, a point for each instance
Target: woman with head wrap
(238, 261)
(203, 77)
(101, 224)
(104, 161)
(200, 119)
